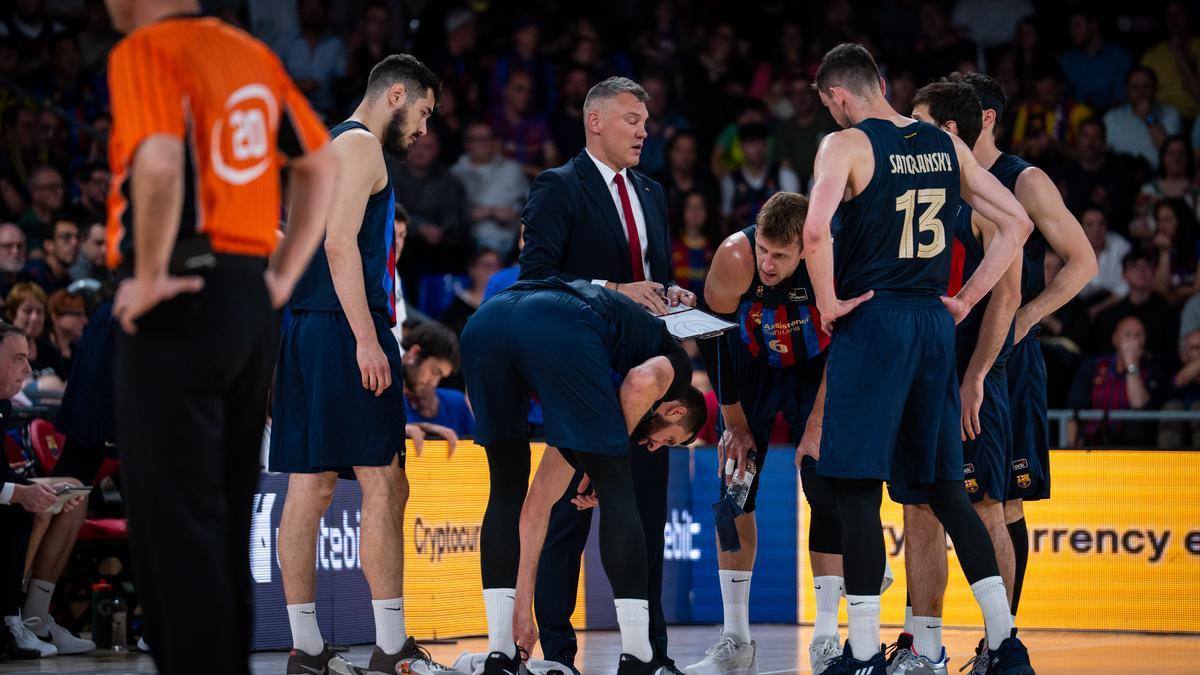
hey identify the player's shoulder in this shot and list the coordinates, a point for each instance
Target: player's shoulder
(735, 248)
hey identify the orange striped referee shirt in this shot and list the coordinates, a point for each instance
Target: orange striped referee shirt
(240, 117)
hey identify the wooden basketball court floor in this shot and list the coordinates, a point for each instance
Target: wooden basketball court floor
(782, 650)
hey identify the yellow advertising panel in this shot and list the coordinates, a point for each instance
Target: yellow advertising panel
(1116, 548)
(443, 591)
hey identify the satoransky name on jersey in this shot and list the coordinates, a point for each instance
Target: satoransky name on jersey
(930, 162)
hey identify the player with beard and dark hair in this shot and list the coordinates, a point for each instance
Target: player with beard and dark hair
(338, 404)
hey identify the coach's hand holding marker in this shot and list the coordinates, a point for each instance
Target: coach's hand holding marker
(648, 294)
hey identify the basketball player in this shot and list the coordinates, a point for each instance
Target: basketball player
(338, 387)
(892, 404)
(1056, 227)
(982, 343)
(773, 366)
(565, 341)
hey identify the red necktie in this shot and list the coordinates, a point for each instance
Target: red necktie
(635, 243)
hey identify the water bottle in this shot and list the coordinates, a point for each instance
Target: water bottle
(102, 605)
(120, 617)
(739, 488)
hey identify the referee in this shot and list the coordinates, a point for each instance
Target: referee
(203, 118)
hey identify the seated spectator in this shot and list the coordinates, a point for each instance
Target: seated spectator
(1140, 127)
(1176, 179)
(315, 58)
(1177, 245)
(91, 263)
(684, 173)
(17, 153)
(1096, 177)
(1063, 333)
(745, 190)
(92, 204)
(1108, 287)
(1155, 313)
(1126, 379)
(484, 264)
(1174, 61)
(367, 46)
(566, 120)
(661, 126)
(25, 308)
(799, 135)
(727, 152)
(1190, 320)
(68, 318)
(53, 272)
(47, 195)
(1094, 68)
(12, 256)
(1185, 395)
(901, 92)
(526, 57)
(523, 133)
(430, 357)
(494, 187)
(1047, 122)
(940, 47)
(441, 408)
(695, 236)
(434, 199)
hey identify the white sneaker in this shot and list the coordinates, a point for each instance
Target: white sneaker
(60, 637)
(727, 657)
(908, 662)
(821, 651)
(143, 646)
(25, 638)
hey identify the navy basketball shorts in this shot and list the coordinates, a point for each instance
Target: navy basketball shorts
(1029, 467)
(891, 396)
(322, 417)
(550, 343)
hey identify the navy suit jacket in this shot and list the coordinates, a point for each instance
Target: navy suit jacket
(572, 230)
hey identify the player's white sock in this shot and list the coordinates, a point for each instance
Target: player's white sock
(927, 636)
(863, 611)
(37, 601)
(828, 590)
(993, 600)
(499, 603)
(306, 634)
(735, 598)
(908, 620)
(390, 633)
(633, 617)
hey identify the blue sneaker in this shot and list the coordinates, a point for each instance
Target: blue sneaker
(846, 664)
(1010, 658)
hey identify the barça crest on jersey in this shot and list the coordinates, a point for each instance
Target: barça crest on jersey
(1023, 480)
(972, 485)
(798, 295)
(1020, 464)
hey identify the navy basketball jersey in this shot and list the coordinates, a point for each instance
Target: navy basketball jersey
(966, 255)
(1033, 272)
(780, 324)
(376, 245)
(895, 235)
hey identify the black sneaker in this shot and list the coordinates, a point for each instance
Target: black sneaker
(631, 665)
(848, 665)
(412, 658)
(1010, 658)
(498, 663)
(10, 650)
(327, 662)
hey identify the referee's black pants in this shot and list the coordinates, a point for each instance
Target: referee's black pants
(191, 400)
(566, 538)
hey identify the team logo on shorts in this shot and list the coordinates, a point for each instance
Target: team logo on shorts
(1020, 464)
(968, 468)
(1023, 480)
(777, 346)
(972, 485)
(798, 295)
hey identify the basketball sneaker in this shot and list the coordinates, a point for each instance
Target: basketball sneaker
(978, 663)
(727, 657)
(1010, 658)
(25, 639)
(412, 658)
(301, 662)
(631, 665)
(908, 662)
(821, 651)
(499, 664)
(846, 664)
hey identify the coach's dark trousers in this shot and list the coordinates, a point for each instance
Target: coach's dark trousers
(191, 400)
(566, 537)
(16, 524)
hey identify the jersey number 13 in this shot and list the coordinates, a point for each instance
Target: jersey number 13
(933, 200)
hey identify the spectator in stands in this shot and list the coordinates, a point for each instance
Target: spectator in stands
(1185, 395)
(990, 23)
(745, 190)
(25, 308)
(441, 412)
(714, 78)
(92, 204)
(1094, 68)
(92, 248)
(12, 256)
(798, 136)
(367, 46)
(30, 30)
(68, 318)
(315, 57)
(1017, 65)
(1176, 179)
(1190, 319)
(1174, 60)
(430, 356)
(695, 236)
(483, 265)
(1144, 304)
(1126, 379)
(1177, 244)
(727, 153)
(47, 195)
(494, 187)
(62, 251)
(52, 142)
(456, 61)
(1140, 127)
(901, 92)
(941, 47)
(1108, 287)
(434, 199)
(17, 156)
(1047, 122)
(1062, 334)
(526, 57)
(566, 121)
(1096, 177)
(664, 122)
(97, 36)
(684, 173)
(523, 132)
(68, 88)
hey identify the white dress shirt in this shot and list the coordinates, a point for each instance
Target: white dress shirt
(639, 218)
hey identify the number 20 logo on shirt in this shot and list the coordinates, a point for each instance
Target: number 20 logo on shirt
(239, 147)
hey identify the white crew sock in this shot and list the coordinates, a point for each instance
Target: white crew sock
(499, 603)
(735, 598)
(863, 611)
(37, 602)
(306, 634)
(908, 620)
(390, 633)
(633, 617)
(829, 591)
(927, 636)
(993, 600)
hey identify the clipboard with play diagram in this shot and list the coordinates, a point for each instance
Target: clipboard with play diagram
(690, 323)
